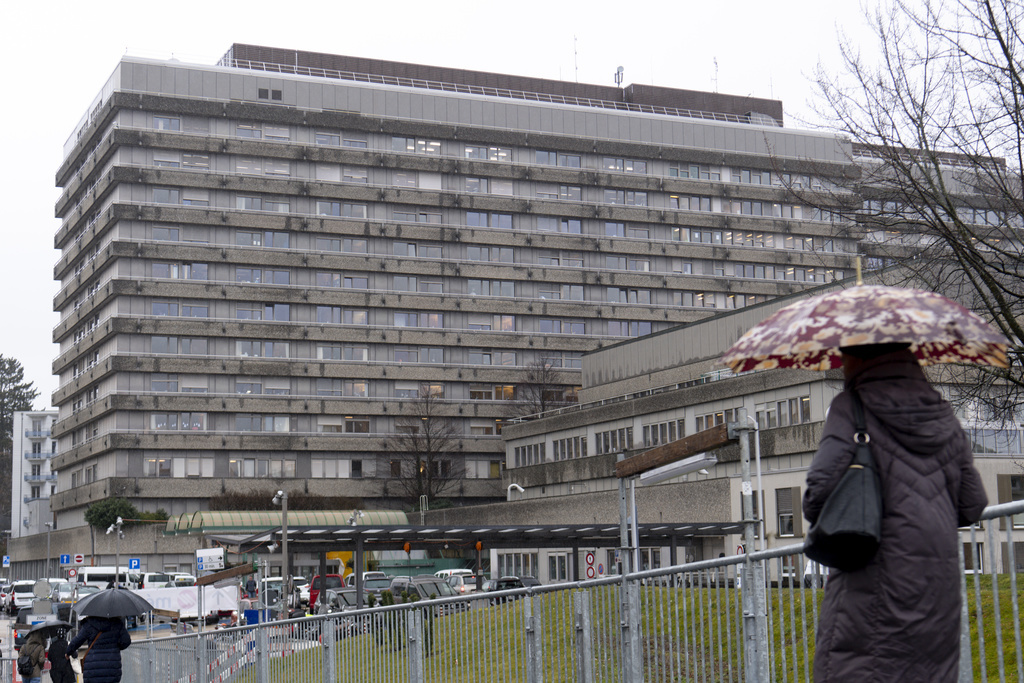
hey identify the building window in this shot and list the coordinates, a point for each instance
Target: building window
(416, 146)
(488, 153)
(166, 123)
(709, 420)
(484, 219)
(624, 165)
(614, 440)
(548, 158)
(789, 519)
(783, 413)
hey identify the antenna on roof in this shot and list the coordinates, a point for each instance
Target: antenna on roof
(715, 79)
(618, 76)
(576, 59)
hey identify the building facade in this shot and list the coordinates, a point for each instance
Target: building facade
(268, 266)
(32, 480)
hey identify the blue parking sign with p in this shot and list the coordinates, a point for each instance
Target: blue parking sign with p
(7, 560)
(134, 563)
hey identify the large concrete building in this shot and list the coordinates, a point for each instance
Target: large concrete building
(266, 263)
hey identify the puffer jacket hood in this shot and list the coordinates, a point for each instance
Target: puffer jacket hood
(920, 421)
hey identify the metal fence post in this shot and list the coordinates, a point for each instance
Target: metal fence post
(262, 652)
(755, 618)
(414, 636)
(203, 654)
(631, 666)
(584, 637)
(966, 674)
(532, 626)
(151, 652)
(329, 673)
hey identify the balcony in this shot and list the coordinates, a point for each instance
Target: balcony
(29, 499)
(39, 456)
(41, 477)
(38, 435)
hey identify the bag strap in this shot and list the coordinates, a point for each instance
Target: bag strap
(91, 644)
(862, 453)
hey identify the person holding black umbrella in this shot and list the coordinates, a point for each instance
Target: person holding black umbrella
(104, 639)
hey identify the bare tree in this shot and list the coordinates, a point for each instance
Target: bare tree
(424, 452)
(935, 118)
(542, 389)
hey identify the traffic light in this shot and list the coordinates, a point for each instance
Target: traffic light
(479, 546)
(407, 548)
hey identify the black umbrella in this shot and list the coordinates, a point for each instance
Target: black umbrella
(113, 602)
(50, 628)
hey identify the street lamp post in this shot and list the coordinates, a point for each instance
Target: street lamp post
(116, 527)
(49, 525)
(282, 499)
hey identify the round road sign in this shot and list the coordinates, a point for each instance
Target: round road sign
(72, 573)
(590, 572)
(78, 559)
(590, 558)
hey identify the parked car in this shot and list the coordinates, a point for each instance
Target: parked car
(341, 600)
(489, 585)
(350, 580)
(183, 580)
(62, 592)
(156, 580)
(511, 582)
(83, 589)
(377, 585)
(300, 584)
(428, 587)
(462, 583)
(329, 581)
(5, 597)
(22, 595)
(445, 573)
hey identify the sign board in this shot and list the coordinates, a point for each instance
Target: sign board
(65, 560)
(72, 573)
(134, 563)
(7, 561)
(208, 560)
(78, 559)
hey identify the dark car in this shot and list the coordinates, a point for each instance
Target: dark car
(506, 583)
(428, 587)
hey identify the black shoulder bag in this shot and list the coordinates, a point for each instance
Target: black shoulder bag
(848, 531)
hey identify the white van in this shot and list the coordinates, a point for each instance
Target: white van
(445, 573)
(102, 577)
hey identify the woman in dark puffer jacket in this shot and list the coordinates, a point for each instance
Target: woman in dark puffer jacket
(898, 619)
(103, 640)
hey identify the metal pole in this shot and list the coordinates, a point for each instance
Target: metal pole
(49, 525)
(623, 523)
(286, 567)
(636, 525)
(755, 622)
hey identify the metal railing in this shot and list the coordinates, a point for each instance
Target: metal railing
(692, 622)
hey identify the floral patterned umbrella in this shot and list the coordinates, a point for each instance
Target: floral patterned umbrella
(808, 334)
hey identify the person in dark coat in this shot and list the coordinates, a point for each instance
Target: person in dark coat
(103, 640)
(897, 619)
(60, 666)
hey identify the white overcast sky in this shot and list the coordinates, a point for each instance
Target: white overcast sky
(56, 55)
